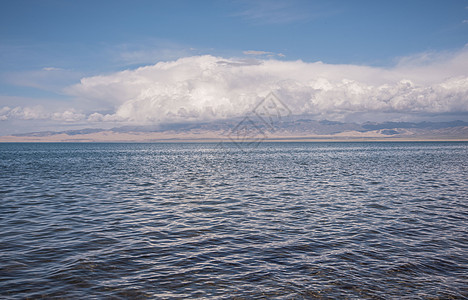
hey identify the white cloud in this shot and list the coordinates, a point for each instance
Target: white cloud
(4, 113)
(255, 52)
(98, 118)
(48, 78)
(259, 53)
(207, 88)
(67, 116)
(52, 69)
(27, 113)
(273, 12)
(203, 88)
(39, 113)
(148, 51)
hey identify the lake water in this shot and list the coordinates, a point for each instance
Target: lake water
(274, 220)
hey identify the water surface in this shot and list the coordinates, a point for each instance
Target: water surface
(281, 220)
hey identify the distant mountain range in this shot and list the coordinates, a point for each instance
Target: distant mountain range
(294, 128)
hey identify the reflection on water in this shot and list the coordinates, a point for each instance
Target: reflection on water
(285, 220)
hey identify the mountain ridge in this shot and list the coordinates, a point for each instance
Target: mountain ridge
(249, 128)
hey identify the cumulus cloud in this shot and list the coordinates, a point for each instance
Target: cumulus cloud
(39, 113)
(203, 88)
(206, 88)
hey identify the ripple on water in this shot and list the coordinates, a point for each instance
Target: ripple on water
(286, 220)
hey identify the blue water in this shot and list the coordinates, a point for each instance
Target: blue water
(277, 220)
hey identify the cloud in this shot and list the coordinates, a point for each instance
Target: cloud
(278, 12)
(273, 12)
(48, 78)
(52, 69)
(259, 53)
(68, 116)
(206, 88)
(25, 113)
(254, 52)
(39, 113)
(203, 88)
(4, 113)
(148, 51)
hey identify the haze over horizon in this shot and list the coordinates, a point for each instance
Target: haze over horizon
(71, 65)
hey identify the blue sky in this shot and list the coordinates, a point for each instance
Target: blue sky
(90, 35)
(47, 46)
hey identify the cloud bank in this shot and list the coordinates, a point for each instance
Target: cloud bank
(205, 88)
(39, 113)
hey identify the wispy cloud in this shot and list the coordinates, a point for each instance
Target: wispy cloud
(254, 52)
(52, 69)
(149, 51)
(47, 78)
(263, 53)
(272, 12)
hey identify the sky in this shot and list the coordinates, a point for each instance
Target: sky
(100, 64)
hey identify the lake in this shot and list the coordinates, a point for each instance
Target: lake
(373, 220)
